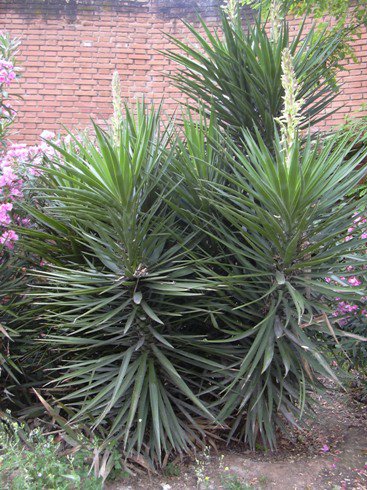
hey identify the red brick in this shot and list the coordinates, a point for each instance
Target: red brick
(65, 80)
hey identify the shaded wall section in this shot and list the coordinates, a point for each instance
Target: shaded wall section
(70, 49)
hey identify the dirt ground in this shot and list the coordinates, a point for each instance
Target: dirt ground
(330, 454)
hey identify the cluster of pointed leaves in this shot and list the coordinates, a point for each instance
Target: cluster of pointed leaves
(184, 281)
(183, 294)
(236, 72)
(124, 298)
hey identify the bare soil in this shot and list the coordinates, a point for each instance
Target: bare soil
(330, 454)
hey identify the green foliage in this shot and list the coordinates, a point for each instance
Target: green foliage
(8, 50)
(343, 11)
(355, 349)
(184, 281)
(9, 47)
(13, 282)
(31, 460)
(162, 323)
(276, 217)
(172, 470)
(347, 17)
(357, 125)
(340, 9)
(233, 482)
(119, 299)
(280, 230)
(237, 74)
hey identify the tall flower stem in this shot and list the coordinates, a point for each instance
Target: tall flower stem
(290, 119)
(117, 107)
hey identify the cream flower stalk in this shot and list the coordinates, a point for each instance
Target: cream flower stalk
(230, 8)
(290, 119)
(275, 19)
(117, 107)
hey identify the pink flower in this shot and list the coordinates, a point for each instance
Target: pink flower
(4, 213)
(7, 72)
(353, 281)
(8, 238)
(67, 139)
(8, 177)
(15, 192)
(325, 448)
(47, 135)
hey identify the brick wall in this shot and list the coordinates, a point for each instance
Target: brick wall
(352, 100)
(70, 50)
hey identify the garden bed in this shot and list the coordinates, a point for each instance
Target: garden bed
(330, 454)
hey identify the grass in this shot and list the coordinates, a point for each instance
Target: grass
(172, 470)
(34, 461)
(233, 482)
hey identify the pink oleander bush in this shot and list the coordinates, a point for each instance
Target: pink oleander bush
(8, 75)
(18, 162)
(345, 310)
(352, 315)
(7, 72)
(10, 181)
(10, 189)
(18, 169)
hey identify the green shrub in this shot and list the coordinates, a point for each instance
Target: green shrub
(157, 321)
(10, 283)
(277, 211)
(184, 282)
(281, 230)
(237, 74)
(31, 460)
(124, 299)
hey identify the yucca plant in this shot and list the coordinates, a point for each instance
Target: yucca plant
(184, 279)
(196, 159)
(275, 211)
(280, 220)
(237, 73)
(122, 306)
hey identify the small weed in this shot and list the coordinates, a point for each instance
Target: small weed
(117, 469)
(40, 465)
(263, 480)
(172, 470)
(260, 447)
(201, 467)
(233, 482)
